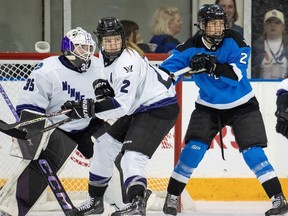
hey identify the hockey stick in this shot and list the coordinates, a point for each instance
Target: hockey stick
(29, 135)
(24, 135)
(5, 126)
(186, 70)
(9, 103)
(55, 185)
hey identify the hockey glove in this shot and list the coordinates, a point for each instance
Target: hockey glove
(203, 60)
(80, 109)
(282, 113)
(282, 120)
(102, 89)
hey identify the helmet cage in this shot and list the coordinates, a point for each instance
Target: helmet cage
(207, 13)
(78, 43)
(110, 26)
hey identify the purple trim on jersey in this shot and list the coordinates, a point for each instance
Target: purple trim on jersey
(161, 103)
(21, 107)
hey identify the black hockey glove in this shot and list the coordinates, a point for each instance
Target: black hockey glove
(282, 120)
(282, 127)
(102, 89)
(80, 109)
(282, 114)
(203, 60)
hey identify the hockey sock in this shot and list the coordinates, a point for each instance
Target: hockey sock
(96, 191)
(190, 157)
(272, 187)
(135, 190)
(175, 187)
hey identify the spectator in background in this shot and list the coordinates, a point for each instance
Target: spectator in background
(166, 23)
(132, 34)
(230, 8)
(270, 51)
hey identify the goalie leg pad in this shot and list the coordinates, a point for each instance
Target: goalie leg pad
(31, 183)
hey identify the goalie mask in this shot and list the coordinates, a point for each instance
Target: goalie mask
(111, 37)
(212, 23)
(78, 46)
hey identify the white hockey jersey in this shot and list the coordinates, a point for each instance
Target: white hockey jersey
(51, 84)
(138, 86)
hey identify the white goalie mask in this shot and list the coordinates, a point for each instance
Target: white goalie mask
(78, 46)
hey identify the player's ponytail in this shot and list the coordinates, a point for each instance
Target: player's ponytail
(131, 45)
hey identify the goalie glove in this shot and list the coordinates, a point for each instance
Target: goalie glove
(80, 109)
(102, 89)
(203, 60)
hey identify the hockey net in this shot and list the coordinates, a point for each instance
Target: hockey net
(14, 70)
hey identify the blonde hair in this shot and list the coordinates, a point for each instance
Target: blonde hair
(161, 19)
(132, 46)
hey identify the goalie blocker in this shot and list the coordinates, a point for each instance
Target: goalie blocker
(21, 192)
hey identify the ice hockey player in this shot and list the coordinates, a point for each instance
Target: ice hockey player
(225, 98)
(53, 81)
(146, 104)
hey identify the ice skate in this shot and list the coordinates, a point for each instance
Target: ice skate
(280, 206)
(93, 205)
(137, 207)
(170, 205)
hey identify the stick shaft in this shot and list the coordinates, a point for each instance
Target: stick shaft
(186, 70)
(9, 103)
(4, 126)
(55, 125)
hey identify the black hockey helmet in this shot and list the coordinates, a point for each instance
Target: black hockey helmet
(110, 26)
(206, 13)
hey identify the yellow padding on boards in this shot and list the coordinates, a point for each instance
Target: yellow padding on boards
(229, 189)
(209, 189)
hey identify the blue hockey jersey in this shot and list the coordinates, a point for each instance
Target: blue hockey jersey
(216, 92)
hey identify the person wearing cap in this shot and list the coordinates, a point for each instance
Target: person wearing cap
(270, 51)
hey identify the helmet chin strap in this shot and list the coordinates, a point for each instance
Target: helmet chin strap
(80, 64)
(211, 42)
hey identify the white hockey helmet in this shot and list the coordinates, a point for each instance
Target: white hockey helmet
(78, 46)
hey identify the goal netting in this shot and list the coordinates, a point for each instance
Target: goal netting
(14, 70)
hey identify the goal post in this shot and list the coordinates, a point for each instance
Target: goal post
(14, 70)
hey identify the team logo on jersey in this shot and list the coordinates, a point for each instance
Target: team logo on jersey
(128, 68)
(38, 66)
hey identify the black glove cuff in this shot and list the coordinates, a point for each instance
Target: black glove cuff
(282, 100)
(225, 70)
(282, 115)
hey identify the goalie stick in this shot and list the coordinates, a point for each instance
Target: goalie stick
(51, 177)
(5, 126)
(186, 70)
(55, 185)
(29, 135)
(25, 135)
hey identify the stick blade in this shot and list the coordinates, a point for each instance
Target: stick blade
(13, 132)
